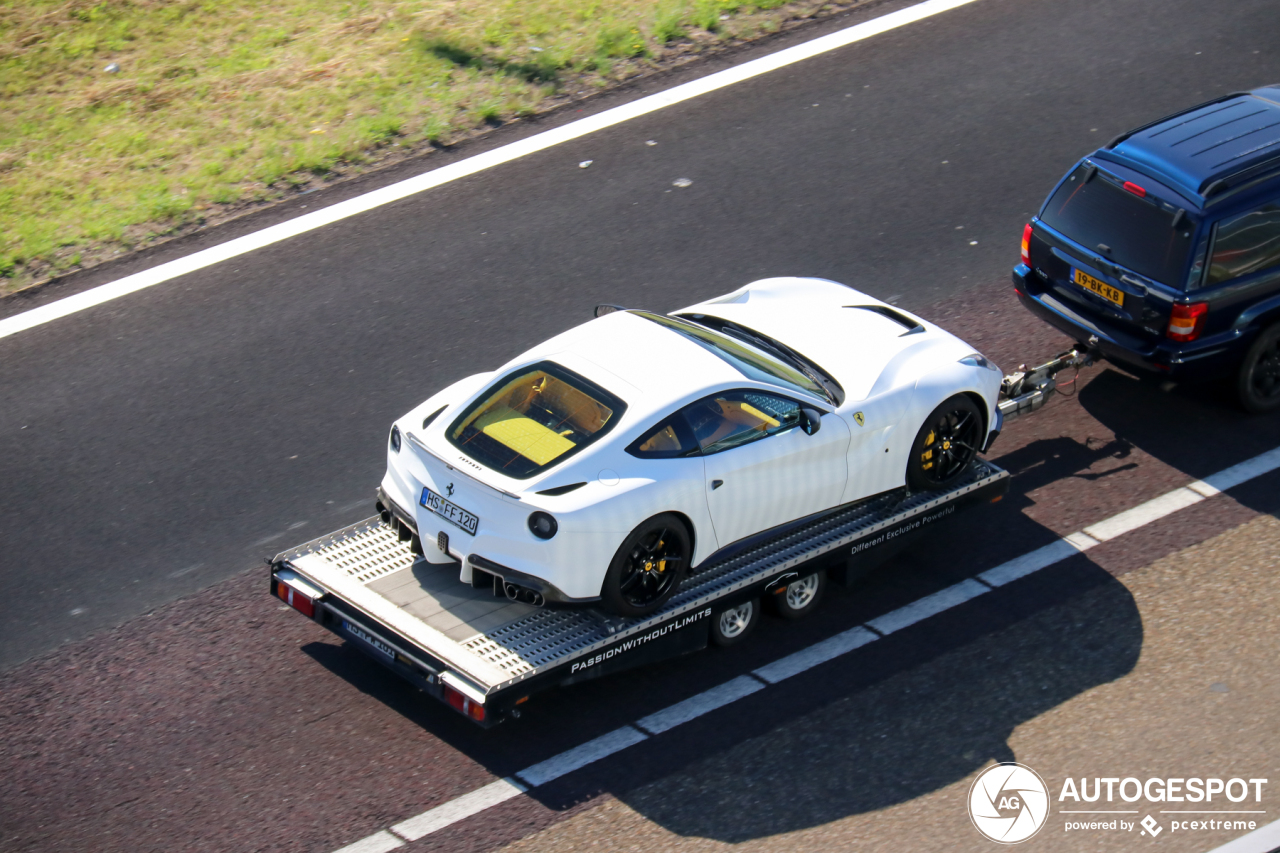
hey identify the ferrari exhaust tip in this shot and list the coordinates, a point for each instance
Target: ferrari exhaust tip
(522, 595)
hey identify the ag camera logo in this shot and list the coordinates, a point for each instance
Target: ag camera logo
(1008, 802)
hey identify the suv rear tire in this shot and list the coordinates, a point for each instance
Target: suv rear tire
(1258, 382)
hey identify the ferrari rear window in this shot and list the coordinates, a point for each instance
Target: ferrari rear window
(533, 419)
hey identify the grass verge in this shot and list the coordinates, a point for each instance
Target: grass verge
(123, 122)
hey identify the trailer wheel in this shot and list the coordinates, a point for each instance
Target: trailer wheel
(732, 625)
(648, 567)
(946, 445)
(800, 597)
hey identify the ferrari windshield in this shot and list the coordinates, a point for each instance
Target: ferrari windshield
(533, 419)
(750, 362)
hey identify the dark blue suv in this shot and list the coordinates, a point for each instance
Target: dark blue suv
(1164, 246)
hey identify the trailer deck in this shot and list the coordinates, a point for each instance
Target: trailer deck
(419, 619)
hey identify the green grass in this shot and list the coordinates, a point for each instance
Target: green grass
(220, 103)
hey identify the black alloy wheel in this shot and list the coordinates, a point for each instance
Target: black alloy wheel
(1258, 383)
(946, 445)
(648, 567)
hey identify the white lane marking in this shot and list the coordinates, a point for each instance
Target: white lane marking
(472, 165)
(1247, 470)
(1143, 514)
(805, 659)
(833, 647)
(459, 809)
(930, 605)
(695, 706)
(1020, 567)
(1264, 839)
(379, 842)
(580, 756)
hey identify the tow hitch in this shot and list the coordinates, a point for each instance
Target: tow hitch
(1024, 391)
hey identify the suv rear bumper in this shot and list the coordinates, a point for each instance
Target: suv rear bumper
(1207, 358)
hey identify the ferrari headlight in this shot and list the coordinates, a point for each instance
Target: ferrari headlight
(395, 438)
(977, 359)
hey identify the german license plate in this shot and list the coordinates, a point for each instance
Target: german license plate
(449, 511)
(1106, 291)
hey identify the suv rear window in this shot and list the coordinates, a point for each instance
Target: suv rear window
(533, 419)
(1138, 231)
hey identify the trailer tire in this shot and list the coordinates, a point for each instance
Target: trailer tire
(946, 444)
(648, 568)
(732, 625)
(800, 597)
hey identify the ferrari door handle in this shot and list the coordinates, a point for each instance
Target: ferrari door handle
(715, 484)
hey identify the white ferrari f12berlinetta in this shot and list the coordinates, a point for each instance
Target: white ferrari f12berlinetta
(607, 464)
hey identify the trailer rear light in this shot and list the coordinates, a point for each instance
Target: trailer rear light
(463, 705)
(299, 602)
(1026, 245)
(1186, 322)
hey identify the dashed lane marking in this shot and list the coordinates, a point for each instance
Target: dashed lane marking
(461, 808)
(471, 165)
(695, 706)
(827, 650)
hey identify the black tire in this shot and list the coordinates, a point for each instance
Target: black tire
(800, 597)
(733, 624)
(1258, 382)
(946, 445)
(648, 567)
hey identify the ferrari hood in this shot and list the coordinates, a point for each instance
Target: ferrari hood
(847, 333)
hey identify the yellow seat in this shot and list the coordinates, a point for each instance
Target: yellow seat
(524, 435)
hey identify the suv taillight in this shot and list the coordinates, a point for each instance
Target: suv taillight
(1187, 321)
(1026, 245)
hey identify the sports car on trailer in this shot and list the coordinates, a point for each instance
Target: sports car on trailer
(605, 465)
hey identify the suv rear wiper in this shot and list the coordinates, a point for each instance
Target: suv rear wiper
(835, 394)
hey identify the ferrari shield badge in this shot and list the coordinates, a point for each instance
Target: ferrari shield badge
(857, 416)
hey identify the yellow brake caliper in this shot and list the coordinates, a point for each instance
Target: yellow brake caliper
(926, 458)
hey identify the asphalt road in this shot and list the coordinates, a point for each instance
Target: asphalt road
(164, 443)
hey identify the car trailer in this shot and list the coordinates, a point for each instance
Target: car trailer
(486, 655)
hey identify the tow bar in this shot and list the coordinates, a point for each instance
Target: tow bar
(1024, 391)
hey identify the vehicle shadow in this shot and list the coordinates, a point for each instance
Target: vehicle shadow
(1197, 429)
(903, 717)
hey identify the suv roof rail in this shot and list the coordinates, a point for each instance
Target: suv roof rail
(1122, 137)
(1224, 185)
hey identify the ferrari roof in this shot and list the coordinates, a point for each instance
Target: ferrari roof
(658, 365)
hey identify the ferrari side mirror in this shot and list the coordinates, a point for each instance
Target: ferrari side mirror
(810, 420)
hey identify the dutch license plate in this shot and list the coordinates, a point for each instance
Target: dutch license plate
(369, 639)
(449, 511)
(1106, 291)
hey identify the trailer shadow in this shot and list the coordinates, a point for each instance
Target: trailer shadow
(904, 717)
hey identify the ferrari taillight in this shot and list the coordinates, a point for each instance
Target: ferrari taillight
(1186, 322)
(1026, 245)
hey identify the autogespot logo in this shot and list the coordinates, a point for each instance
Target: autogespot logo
(1008, 802)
